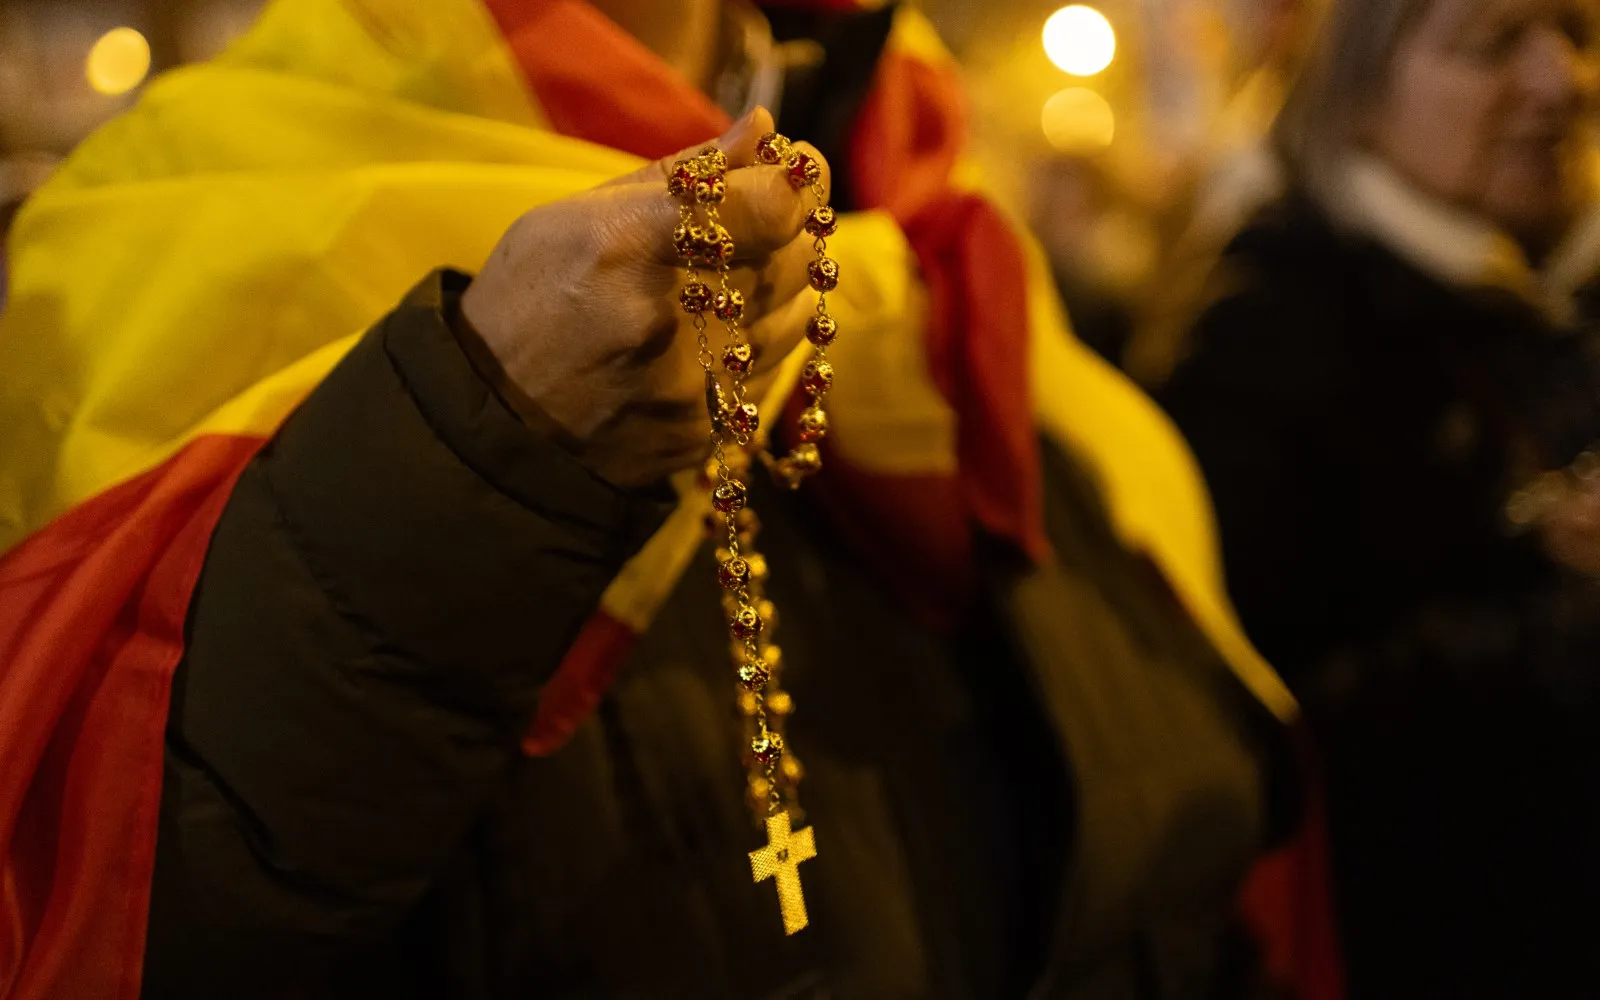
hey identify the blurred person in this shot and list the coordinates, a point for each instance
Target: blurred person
(1395, 401)
(394, 663)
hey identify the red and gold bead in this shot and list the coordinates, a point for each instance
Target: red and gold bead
(772, 148)
(821, 329)
(714, 246)
(730, 497)
(711, 188)
(806, 458)
(804, 171)
(728, 304)
(824, 274)
(754, 674)
(695, 297)
(733, 573)
(681, 181)
(767, 747)
(813, 424)
(816, 377)
(687, 239)
(745, 623)
(744, 419)
(738, 359)
(713, 158)
(822, 221)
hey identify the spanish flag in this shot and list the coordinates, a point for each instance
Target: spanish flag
(202, 262)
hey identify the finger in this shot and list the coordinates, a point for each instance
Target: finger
(739, 143)
(764, 211)
(773, 280)
(777, 333)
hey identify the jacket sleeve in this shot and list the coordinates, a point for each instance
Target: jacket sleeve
(396, 575)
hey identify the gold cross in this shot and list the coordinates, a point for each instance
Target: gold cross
(780, 859)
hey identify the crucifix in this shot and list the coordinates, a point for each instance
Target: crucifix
(780, 860)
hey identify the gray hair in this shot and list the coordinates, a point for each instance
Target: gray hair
(1344, 76)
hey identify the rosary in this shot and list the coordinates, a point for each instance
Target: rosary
(772, 776)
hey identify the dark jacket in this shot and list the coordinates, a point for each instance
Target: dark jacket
(1064, 793)
(1361, 425)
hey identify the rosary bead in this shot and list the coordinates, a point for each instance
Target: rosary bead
(806, 458)
(738, 359)
(686, 239)
(824, 272)
(813, 424)
(822, 221)
(821, 329)
(771, 148)
(804, 171)
(817, 377)
(749, 705)
(729, 497)
(712, 244)
(767, 747)
(711, 188)
(733, 573)
(744, 419)
(695, 297)
(682, 179)
(745, 623)
(728, 304)
(713, 158)
(753, 675)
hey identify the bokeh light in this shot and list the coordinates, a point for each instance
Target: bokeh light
(1080, 40)
(1078, 120)
(118, 62)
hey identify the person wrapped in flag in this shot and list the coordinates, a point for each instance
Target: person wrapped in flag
(359, 634)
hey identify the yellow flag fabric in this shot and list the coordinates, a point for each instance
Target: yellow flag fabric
(202, 262)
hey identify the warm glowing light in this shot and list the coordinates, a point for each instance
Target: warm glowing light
(1078, 120)
(1079, 39)
(118, 62)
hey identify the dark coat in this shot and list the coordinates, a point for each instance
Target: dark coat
(1063, 794)
(1361, 425)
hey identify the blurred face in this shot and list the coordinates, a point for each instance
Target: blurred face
(1486, 108)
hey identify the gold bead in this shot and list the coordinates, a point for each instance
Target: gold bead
(749, 704)
(753, 675)
(767, 747)
(791, 769)
(773, 655)
(779, 703)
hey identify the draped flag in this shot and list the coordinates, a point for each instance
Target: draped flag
(203, 261)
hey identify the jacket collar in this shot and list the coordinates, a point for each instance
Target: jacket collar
(1456, 246)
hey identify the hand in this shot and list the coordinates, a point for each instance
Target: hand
(578, 306)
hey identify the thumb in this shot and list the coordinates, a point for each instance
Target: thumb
(738, 142)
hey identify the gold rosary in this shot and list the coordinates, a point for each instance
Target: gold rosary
(772, 775)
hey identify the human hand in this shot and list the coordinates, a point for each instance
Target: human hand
(578, 308)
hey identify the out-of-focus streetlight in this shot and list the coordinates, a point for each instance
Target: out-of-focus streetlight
(1080, 40)
(118, 61)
